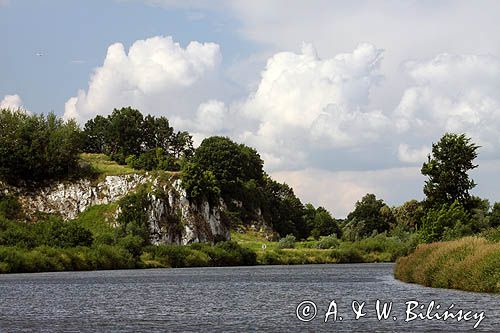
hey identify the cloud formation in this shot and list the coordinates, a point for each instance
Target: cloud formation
(304, 102)
(453, 93)
(149, 76)
(311, 118)
(410, 155)
(12, 102)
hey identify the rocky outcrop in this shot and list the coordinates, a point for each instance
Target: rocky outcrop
(172, 218)
(70, 199)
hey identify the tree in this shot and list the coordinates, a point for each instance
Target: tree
(157, 133)
(452, 157)
(324, 224)
(283, 209)
(495, 215)
(147, 143)
(232, 165)
(96, 135)
(451, 220)
(370, 214)
(125, 132)
(181, 144)
(409, 214)
(37, 148)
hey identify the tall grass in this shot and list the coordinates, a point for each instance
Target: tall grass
(104, 166)
(470, 263)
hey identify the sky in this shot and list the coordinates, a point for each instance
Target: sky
(340, 98)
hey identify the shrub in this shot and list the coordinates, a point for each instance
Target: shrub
(328, 242)
(10, 207)
(133, 244)
(347, 255)
(492, 234)
(133, 214)
(449, 220)
(287, 242)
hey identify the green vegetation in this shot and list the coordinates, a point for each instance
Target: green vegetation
(287, 242)
(328, 249)
(470, 263)
(36, 148)
(146, 143)
(452, 157)
(103, 165)
(369, 216)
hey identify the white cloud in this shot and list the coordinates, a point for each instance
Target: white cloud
(347, 111)
(408, 155)
(453, 93)
(12, 102)
(304, 102)
(212, 117)
(154, 76)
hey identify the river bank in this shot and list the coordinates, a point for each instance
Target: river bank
(246, 249)
(470, 263)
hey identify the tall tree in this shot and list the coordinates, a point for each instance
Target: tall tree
(232, 164)
(452, 157)
(95, 134)
(125, 127)
(369, 214)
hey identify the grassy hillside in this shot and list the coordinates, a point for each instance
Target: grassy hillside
(103, 165)
(470, 263)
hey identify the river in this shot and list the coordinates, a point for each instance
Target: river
(233, 299)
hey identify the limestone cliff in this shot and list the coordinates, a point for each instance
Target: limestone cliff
(172, 218)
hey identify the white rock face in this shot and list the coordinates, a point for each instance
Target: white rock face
(70, 199)
(179, 221)
(172, 218)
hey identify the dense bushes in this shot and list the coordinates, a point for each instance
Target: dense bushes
(470, 263)
(448, 222)
(52, 232)
(45, 259)
(132, 217)
(36, 148)
(10, 207)
(328, 242)
(201, 254)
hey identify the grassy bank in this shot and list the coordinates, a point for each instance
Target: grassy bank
(470, 263)
(122, 256)
(379, 248)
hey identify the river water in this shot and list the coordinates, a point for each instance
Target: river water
(232, 299)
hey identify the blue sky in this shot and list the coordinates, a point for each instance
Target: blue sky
(341, 98)
(74, 36)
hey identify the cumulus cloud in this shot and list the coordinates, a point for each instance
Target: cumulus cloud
(303, 102)
(12, 102)
(409, 155)
(150, 76)
(212, 117)
(309, 117)
(452, 93)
